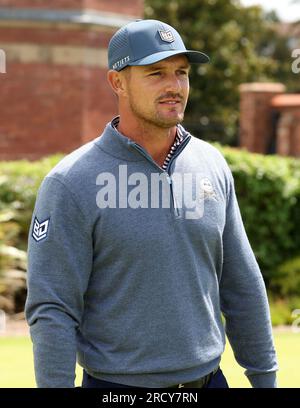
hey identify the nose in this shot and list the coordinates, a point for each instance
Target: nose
(173, 83)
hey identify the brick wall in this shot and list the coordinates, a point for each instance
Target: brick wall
(256, 114)
(54, 94)
(52, 109)
(128, 7)
(288, 128)
(268, 115)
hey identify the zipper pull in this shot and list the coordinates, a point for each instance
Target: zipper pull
(169, 180)
(173, 198)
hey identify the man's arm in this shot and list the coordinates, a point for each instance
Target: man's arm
(244, 301)
(59, 266)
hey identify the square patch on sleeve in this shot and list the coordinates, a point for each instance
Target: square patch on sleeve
(40, 229)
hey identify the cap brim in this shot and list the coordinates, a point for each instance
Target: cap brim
(194, 57)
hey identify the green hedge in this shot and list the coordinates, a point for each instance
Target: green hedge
(19, 181)
(268, 190)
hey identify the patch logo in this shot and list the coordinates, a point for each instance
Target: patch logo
(40, 229)
(207, 188)
(166, 36)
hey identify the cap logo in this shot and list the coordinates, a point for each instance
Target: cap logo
(166, 36)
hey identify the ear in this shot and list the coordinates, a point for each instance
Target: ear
(117, 81)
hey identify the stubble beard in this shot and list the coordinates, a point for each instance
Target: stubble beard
(155, 118)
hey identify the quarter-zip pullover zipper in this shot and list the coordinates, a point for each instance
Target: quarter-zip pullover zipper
(167, 171)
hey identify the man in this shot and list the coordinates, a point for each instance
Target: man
(137, 244)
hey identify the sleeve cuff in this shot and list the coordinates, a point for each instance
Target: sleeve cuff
(266, 380)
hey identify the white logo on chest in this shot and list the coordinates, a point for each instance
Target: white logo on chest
(207, 189)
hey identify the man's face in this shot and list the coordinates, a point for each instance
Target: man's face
(157, 94)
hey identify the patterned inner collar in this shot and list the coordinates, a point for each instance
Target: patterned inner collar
(178, 140)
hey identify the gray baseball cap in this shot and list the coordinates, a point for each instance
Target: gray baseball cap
(145, 42)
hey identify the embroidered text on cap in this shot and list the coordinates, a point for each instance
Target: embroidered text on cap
(121, 62)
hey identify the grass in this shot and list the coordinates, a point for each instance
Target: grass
(287, 345)
(16, 363)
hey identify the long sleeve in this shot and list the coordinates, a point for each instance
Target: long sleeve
(244, 301)
(59, 266)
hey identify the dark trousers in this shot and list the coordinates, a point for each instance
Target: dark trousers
(216, 381)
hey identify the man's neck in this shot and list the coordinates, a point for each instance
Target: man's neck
(155, 140)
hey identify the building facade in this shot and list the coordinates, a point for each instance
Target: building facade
(54, 93)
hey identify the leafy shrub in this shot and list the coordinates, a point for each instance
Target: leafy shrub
(286, 280)
(268, 191)
(19, 182)
(282, 309)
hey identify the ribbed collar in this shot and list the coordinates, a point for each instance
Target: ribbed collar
(117, 145)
